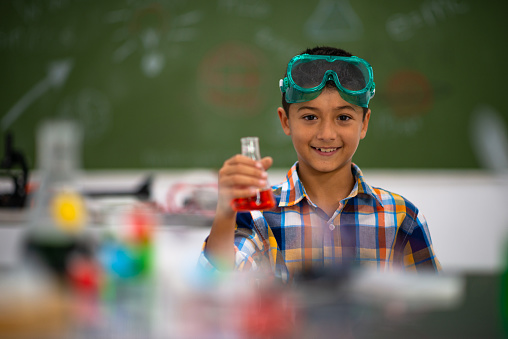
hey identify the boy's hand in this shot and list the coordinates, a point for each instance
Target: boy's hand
(241, 177)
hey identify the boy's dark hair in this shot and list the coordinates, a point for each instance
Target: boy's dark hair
(320, 50)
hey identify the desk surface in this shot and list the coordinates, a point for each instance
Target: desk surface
(478, 315)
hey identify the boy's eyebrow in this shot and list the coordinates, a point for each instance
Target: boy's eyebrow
(307, 107)
(346, 107)
(339, 108)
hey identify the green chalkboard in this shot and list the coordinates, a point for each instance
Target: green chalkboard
(176, 84)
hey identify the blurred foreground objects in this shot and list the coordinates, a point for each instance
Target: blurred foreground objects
(489, 140)
(32, 306)
(143, 192)
(105, 271)
(363, 303)
(190, 203)
(58, 214)
(126, 248)
(113, 293)
(504, 289)
(13, 166)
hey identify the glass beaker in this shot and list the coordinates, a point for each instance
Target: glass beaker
(263, 199)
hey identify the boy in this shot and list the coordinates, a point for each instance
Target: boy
(326, 215)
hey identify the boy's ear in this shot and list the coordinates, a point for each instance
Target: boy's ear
(365, 124)
(284, 120)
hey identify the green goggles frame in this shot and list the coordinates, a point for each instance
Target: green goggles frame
(295, 93)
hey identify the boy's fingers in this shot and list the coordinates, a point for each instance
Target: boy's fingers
(239, 170)
(237, 180)
(240, 159)
(240, 164)
(243, 192)
(267, 162)
(241, 176)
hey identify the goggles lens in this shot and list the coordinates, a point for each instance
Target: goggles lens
(307, 75)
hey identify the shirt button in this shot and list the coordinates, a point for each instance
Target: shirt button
(331, 226)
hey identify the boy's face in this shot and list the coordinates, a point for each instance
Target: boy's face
(325, 131)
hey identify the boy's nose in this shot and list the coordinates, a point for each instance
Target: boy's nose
(327, 131)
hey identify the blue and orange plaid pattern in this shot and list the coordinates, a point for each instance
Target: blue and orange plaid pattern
(372, 227)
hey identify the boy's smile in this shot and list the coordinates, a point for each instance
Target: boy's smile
(325, 132)
(326, 151)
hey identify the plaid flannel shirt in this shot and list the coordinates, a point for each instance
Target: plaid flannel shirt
(372, 227)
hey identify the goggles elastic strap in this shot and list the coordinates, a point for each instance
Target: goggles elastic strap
(283, 84)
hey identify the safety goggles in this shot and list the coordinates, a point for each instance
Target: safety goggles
(307, 75)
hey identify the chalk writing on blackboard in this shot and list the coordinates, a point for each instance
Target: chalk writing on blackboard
(278, 44)
(33, 32)
(149, 31)
(391, 127)
(91, 109)
(247, 8)
(401, 26)
(56, 76)
(28, 11)
(31, 38)
(409, 93)
(34, 10)
(334, 20)
(182, 28)
(231, 79)
(489, 138)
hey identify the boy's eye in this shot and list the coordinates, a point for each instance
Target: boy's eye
(344, 117)
(310, 117)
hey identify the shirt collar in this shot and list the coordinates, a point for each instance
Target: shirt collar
(293, 192)
(361, 186)
(292, 189)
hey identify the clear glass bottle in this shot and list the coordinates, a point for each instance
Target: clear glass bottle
(57, 210)
(263, 200)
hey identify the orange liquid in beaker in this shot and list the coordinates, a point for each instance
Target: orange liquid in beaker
(264, 200)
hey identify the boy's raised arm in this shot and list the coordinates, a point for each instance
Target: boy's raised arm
(239, 177)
